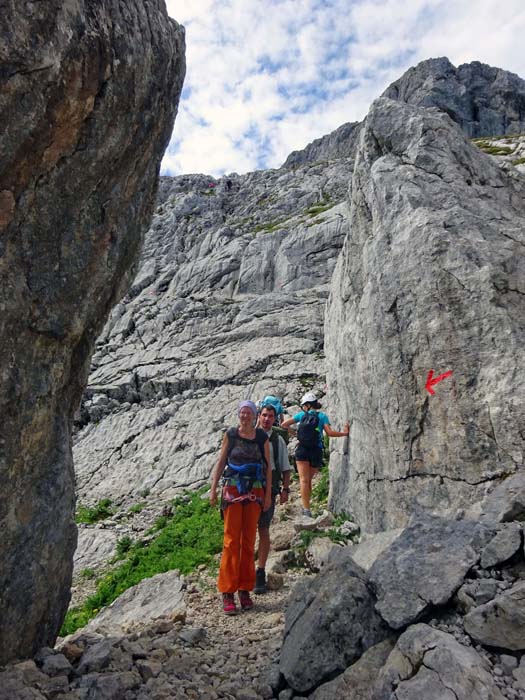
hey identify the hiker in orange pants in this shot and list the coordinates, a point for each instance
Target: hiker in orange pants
(244, 463)
(237, 572)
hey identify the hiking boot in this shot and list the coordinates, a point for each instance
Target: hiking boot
(245, 600)
(228, 604)
(307, 513)
(260, 581)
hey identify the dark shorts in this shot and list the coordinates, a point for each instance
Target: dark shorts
(314, 455)
(266, 517)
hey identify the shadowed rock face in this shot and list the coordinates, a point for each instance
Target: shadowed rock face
(88, 95)
(431, 276)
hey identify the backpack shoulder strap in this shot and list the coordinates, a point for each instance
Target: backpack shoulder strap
(274, 439)
(260, 438)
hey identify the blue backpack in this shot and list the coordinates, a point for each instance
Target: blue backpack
(308, 432)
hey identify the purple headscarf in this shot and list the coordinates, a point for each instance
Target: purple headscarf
(250, 405)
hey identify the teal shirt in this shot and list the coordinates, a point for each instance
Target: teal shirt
(323, 420)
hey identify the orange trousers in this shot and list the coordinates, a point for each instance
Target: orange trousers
(237, 570)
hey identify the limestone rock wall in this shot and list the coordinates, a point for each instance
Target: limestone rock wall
(431, 277)
(88, 95)
(228, 303)
(483, 100)
(340, 142)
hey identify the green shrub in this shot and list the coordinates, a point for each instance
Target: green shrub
(136, 508)
(87, 573)
(91, 515)
(190, 537)
(518, 161)
(123, 546)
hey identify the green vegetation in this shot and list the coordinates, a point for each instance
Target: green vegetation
(308, 536)
(99, 511)
(269, 227)
(320, 489)
(497, 150)
(319, 208)
(187, 539)
(306, 381)
(88, 573)
(322, 205)
(487, 146)
(137, 508)
(123, 546)
(518, 161)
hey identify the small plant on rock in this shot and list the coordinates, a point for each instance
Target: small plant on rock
(98, 512)
(123, 546)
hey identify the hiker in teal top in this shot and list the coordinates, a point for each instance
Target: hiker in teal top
(309, 453)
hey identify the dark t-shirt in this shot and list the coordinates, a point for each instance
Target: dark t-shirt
(245, 451)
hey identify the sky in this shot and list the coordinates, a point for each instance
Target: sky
(266, 77)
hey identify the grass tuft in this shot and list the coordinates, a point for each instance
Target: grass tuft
(100, 511)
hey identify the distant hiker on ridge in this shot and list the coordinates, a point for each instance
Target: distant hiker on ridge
(270, 410)
(309, 451)
(244, 460)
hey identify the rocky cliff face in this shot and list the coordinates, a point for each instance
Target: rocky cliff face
(230, 296)
(338, 144)
(431, 277)
(228, 304)
(483, 100)
(88, 98)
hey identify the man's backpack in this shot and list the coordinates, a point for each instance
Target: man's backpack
(308, 430)
(277, 430)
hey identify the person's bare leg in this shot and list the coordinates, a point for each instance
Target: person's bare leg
(305, 483)
(264, 547)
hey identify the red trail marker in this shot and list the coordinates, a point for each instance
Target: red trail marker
(430, 381)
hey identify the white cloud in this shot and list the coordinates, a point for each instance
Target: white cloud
(264, 79)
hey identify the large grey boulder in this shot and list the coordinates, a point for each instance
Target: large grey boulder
(330, 622)
(504, 502)
(500, 622)
(430, 664)
(357, 682)
(370, 547)
(430, 277)
(504, 545)
(483, 100)
(425, 566)
(88, 95)
(160, 597)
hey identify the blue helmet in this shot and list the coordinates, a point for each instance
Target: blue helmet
(273, 402)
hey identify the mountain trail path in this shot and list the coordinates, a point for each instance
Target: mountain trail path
(236, 656)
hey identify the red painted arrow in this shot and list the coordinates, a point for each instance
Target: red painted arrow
(430, 381)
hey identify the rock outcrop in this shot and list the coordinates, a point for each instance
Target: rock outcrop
(483, 100)
(340, 143)
(431, 276)
(441, 621)
(88, 95)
